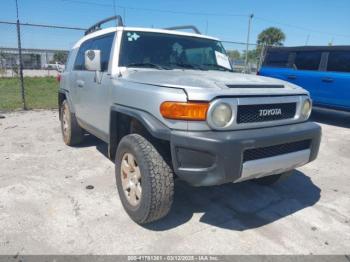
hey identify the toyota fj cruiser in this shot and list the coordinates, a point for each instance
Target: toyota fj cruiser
(168, 104)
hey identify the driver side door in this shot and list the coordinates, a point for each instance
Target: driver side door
(97, 89)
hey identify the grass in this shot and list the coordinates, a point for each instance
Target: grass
(40, 93)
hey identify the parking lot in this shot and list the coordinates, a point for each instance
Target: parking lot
(47, 208)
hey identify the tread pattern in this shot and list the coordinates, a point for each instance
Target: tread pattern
(161, 177)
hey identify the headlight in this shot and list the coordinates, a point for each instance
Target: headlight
(221, 115)
(306, 109)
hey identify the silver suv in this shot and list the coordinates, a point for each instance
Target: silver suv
(168, 105)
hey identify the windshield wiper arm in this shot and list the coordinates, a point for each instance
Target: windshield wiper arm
(219, 67)
(191, 66)
(149, 65)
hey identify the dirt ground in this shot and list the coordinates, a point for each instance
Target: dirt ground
(46, 208)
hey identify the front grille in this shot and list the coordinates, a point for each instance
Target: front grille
(263, 113)
(264, 152)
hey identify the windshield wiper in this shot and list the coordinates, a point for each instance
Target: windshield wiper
(190, 66)
(219, 67)
(148, 65)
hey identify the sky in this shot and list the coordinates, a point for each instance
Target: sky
(307, 22)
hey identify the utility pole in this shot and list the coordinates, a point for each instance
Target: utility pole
(24, 106)
(307, 39)
(114, 7)
(248, 39)
(124, 15)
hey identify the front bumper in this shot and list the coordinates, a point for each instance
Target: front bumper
(213, 157)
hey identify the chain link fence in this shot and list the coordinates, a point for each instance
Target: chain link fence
(237, 52)
(44, 48)
(28, 53)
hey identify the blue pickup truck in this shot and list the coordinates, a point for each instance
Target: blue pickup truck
(323, 70)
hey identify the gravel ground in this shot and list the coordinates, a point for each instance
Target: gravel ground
(46, 208)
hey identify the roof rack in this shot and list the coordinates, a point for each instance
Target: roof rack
(195, 29)
(97, 26)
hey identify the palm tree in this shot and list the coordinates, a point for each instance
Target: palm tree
(271, 36)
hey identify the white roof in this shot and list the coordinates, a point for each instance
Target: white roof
(140, 29)
(94, 34)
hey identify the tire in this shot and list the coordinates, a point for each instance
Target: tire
(150, 193)
(274, 179)
(72, 133)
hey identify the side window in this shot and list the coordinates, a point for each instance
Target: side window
(80, 59)
(307, 60)
(104, 44)
(276, 59)
(339, 61)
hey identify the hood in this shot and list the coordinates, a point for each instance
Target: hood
(205, 85)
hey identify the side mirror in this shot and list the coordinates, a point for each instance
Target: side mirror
(93, 60)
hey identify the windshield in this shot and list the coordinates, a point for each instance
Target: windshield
(167, 51)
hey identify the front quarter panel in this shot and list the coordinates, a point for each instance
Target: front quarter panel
(148, 98)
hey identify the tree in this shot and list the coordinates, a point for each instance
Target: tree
(60, 57)
(234, 54)
(253, 55)
(271, 36)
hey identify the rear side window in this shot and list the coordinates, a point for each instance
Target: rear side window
(339, 61)
(79, 63)
(276, 59)
(104, 44)
(307, 60)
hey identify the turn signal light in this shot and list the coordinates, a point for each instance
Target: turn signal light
(184, 111)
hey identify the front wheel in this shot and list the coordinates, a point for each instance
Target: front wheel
(271, 180)
(144, 180)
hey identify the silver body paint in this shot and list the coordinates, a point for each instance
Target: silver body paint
(146, 89)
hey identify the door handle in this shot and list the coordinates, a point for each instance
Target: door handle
(80, 83)
(292, 77)
(327, 80)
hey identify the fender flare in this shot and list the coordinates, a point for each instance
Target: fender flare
(154, 126)
(66, 93)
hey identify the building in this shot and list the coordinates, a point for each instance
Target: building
(32, 58)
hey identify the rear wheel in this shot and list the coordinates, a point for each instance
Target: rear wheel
(271, 180)
(72, 133)
(144, 180)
